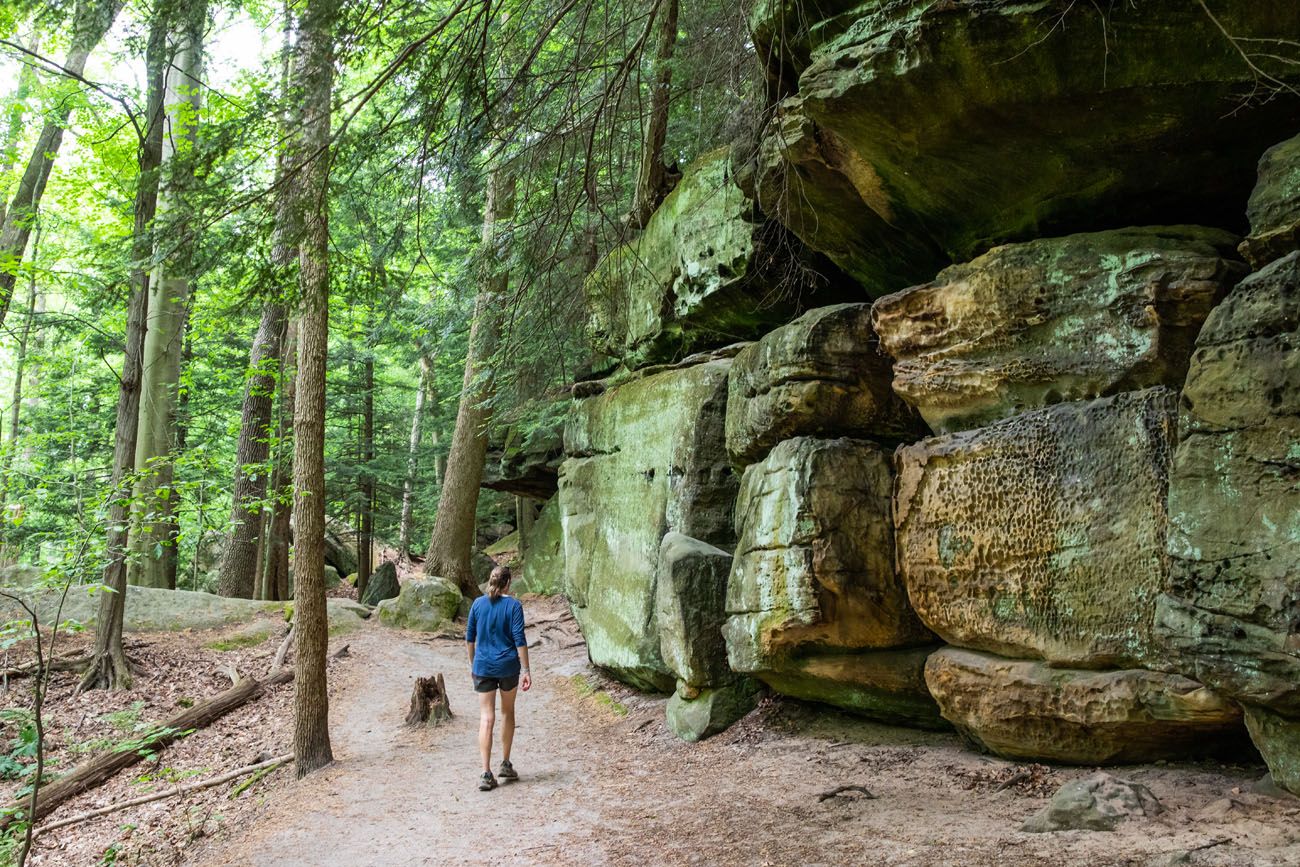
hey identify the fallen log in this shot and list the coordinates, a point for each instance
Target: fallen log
(92, 773)
(429, 702)
(71, 662)
(166, 793)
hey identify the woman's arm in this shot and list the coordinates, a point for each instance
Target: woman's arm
(526, 678)
(521, 645)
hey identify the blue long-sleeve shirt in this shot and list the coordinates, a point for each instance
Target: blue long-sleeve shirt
(496, 629)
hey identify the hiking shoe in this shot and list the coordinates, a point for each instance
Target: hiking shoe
(487, 782)
(508, 771)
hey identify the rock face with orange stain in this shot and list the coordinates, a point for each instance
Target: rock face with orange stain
(1059, 319)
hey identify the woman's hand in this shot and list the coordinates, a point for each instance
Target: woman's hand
(526, 681)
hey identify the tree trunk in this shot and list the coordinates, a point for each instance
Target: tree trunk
(14, 128)
(651, 180)
(429, 702)
(366, 538)
(413, 456)
(453, 531)
(313, 80)
(277, 567)
(108, 666)
(239, 559)
(10, 448)
(155, 544)
(90, 21)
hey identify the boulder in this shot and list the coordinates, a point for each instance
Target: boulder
(526, 460)
(884, 685)
(331, 577)
(543, 568)
(424, 604)
(1053, 320)
(821, 375)
(1026, 710)
(1278, 740)
(20, 575)
(1274, 206)
(710, 711)
(690, 610)
(645, 458)
(814, 565)
(481, 565)
(707, 270)
(1230, 618)
(382, 584)
(340, 547)
(1096, 803)
(967, 125)
(1042, 535)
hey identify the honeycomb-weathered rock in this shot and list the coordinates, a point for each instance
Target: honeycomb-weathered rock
(814, 565)
(1026, 710)
(962, 125)
(1274, 207)
(1053, 320)
(822, 374)
(645, 458)
(707, 270)
(1042, 535)
(691, 608)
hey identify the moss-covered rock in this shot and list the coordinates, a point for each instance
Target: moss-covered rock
(821, 375)
(382, 584)
(1027, 710)
(1059, 319)
(706, 271)
(966, 125)
(1042, 535)
(424, 604)
(646, 457)
(1278, 740)
(543, 568)
(1230, 615)
(884, 685)
(814, 565)
(1274, 207)
(691, 599)
(710, 711)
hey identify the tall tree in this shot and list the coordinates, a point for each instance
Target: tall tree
(238, 568)
(366, 480)
(90, 21)
(155, 561)
(452, 541)
(312, 81)
(275, 572)
(109, 668)
(413, 456)
(14, 126)
(651, 180)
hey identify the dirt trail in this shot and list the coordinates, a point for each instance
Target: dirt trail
(605, 783)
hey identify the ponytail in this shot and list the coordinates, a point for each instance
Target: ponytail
(498, 582)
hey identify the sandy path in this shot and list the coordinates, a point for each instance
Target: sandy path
(600, 787)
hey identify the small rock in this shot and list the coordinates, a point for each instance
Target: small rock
(1096, 803)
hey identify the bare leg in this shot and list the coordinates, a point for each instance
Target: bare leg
(487, 703)
(507, 721)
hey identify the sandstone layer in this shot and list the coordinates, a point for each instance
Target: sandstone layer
(1042, 536)
(1059, 319)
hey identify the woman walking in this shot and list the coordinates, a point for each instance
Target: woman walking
(498, 662)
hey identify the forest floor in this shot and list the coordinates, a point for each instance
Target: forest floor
(604, 782)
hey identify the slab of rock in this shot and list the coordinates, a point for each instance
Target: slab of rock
(707, 270)
(1042, 535)
(424, 604)
(645, 458)
(884, 685)
(1278, 740)
(543, 568)
(1274, 207)
(915, 106)
(814, 565)
(382, 584)
(1053, 320)
(691, 608)
(526, 462)
(710, 711)
(821, 375)
(1020, 709)
(1232, 615)
(1096, 803)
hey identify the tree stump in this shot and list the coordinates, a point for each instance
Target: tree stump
(429, 702)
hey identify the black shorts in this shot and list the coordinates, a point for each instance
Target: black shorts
(488, 684)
